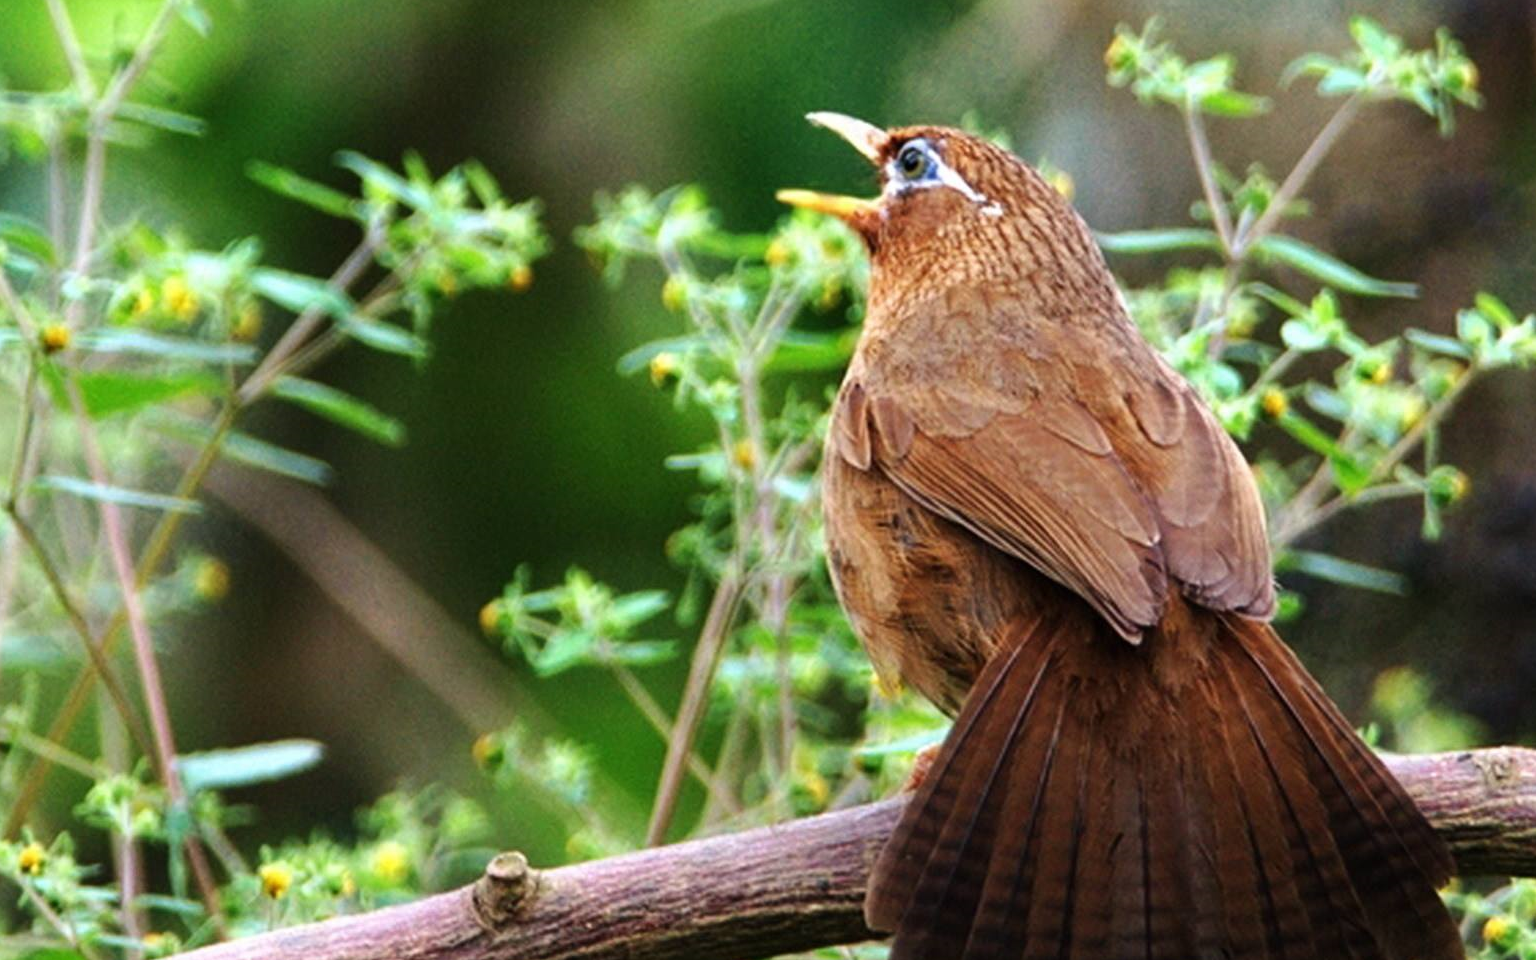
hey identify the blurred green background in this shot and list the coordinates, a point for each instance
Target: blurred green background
(526, 446)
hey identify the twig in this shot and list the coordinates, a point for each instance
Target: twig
(70, 43)
(1194, 124)
(63, 926)
(701, 671)
(662, 724)
(102, 114)
(1297, 178)
(160, 727)
(794, 886)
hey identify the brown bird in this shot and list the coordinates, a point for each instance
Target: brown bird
(1034, 521)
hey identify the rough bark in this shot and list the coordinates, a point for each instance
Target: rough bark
(791, 887)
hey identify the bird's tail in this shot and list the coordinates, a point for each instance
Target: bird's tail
(1197, 796)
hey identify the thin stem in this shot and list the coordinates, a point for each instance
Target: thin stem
(299, 332)
(96, 654)
(1307, 509)
(701, 672)
(72, 52)
(1297, 178)
(662, 724)
(143, 646)
(58, 204)
(1326, 512)
(24, 739)
(102, 114)
(1194, 124)
(63, 926)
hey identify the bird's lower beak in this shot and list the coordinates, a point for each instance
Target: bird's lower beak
(844, 208)
(863, 215)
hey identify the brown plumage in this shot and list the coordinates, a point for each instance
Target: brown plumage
(1034, 521)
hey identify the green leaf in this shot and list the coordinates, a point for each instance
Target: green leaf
(637, 359)
(1325, 566)
(1349, 474)
(912, 744)
(122, 496)
(636, 608)
(643, 653)
(193, 14)
(385, 179)
(257, 453)
(129, 340)
(1138, 242)
(800, 351)
(385, 337)
(243, 448)
(163, 119)
(1232, 103)
(1330, 269)
(285, 182)
(109, 392)
(340, 408)
(1437, 343)
(298, 292)
(29, 237)
(243, 766)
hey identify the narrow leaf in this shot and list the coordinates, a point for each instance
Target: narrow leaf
(306, 191)
(243, 766)
(163, 119)
(1330, 269)
(637, 359)
(385, 337)
(1437, 343)
(128, 340)
(1159, 241)
(804, 352)
(109, 392)
(1338, 570)
(20, 233)
(297, 292)
(340, 408)
(122, 496)
(380, 176)
(243, 448)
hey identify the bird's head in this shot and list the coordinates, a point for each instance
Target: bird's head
(950, 200)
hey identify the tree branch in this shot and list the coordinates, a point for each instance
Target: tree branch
(791, 887)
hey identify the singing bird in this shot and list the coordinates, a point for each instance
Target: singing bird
(1035, 521)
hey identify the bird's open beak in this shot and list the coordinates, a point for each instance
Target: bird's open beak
(866, 138)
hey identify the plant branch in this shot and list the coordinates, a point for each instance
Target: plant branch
(1205, 166)
(70, 43)
(1297, 178)
(701, 671)
(794, 886)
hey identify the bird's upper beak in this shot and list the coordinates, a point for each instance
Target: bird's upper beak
(870, 141)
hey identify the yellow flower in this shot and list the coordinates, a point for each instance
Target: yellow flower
(31, 859)
(490, 617)
(1499, 931)
(521, 278)
(777, 254)
(54, 337)
(486, 751)
(889, 687)
(744, 454)
(674, 293)
(276, 878)
(1274, 402)
(1063, 182)
(247, 325)
(210, 581)
(179, 299)
(663, 367)
(391, 862)
(143, 302)
(1466, 75)
(1117, 53)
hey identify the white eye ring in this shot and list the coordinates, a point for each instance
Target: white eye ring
(936, 173)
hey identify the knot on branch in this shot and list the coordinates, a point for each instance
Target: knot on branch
(1500, 768)
(504, 890)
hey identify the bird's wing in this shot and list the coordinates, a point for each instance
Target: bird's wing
(1207, 505)
(1044, 485)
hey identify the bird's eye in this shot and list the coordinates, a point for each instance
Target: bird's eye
(912, 161)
